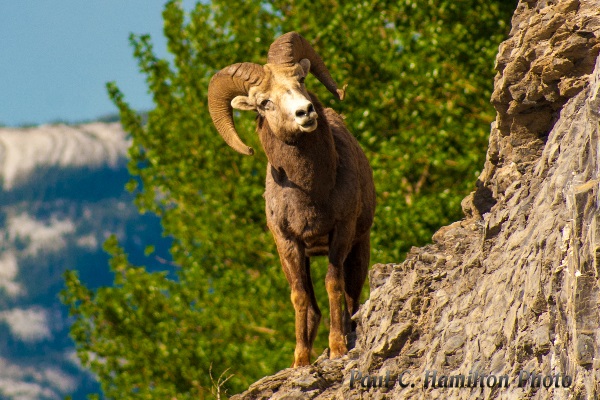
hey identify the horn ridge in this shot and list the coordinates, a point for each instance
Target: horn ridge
(291, 47)
(233, 80)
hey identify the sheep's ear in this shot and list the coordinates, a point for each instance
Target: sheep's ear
(305, 64)
(243, 103)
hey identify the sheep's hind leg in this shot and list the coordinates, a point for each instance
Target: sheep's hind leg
(334, 282)
(314, 313)
(356, 267)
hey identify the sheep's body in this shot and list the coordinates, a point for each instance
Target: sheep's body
(320, 196)
(320, 200)
(319, 181)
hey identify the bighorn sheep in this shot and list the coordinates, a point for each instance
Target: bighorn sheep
(320, 196)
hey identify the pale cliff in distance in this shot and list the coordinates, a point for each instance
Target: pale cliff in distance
(23, 151)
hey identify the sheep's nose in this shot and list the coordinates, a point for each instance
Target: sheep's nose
(305, 111)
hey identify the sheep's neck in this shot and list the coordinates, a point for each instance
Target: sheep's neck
(309, 165)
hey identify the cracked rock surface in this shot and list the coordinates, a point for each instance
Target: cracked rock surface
(514, 286)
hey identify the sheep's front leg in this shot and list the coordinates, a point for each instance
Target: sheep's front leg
(293, 263)
(339, 247)
(334, 282)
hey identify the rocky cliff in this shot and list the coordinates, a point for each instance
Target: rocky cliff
(505, 302)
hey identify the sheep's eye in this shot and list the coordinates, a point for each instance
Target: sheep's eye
(301, 80)
(266, 104)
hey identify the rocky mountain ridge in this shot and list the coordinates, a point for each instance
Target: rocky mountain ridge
(62, 194)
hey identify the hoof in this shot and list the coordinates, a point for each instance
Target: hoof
(300, 363)
(337, 350)
(301, 358)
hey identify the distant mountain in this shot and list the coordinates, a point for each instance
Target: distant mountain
(61, 196)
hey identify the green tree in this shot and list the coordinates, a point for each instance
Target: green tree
(420, 75)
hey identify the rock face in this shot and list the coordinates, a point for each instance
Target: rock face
(512, 289)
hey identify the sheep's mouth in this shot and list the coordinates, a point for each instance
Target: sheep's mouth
(309, 126)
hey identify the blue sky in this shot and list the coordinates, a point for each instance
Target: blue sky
(56, 56)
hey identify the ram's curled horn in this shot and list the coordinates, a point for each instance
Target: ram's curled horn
(291, 48)
(234, 80)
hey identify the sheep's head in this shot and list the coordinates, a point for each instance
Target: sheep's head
(276, 91)
(282, 100)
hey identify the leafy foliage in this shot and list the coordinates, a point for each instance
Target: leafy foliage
(420, 76)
